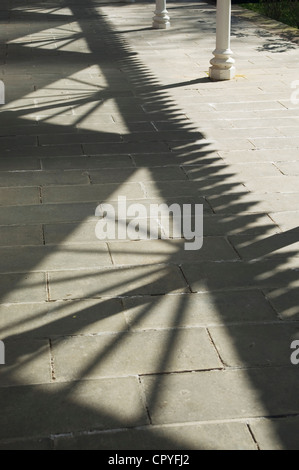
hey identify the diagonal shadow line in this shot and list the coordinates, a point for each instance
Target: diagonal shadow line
(275, 242)
(186, 83)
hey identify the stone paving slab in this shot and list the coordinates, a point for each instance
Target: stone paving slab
(220, 170)
(124, 148)
(248, 223)
(95, 192)
(250, 343)
(279, 123)
(45, 151)
(259, 155)
(274, 184)
(286, 220)
(198, 310)
(43, 178)
(51, 258)
(47, 213)
(17, 287)
(248, 202)
(170, 251)
(288, 168)
(78, 138)
(120, 354)
(34, 444)
(16, 235)
(53, 319)
(135, 175)
(267, 433)
(131, 280)
(86, 163)
(285, 301)
(69, 407)
(20, 196)
(11, 164)
(195, 396)
(229, 275)
(282, 244)
(20, 370)
(72, 234)
(222, 436)
(194, 188)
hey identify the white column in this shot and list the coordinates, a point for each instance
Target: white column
(2, 92)
(223, 64)
(161, 18)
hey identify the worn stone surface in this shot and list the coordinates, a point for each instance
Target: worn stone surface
(51, 319)
(18, 370)
(195, 396)
(233, 436)
(285, 301)
(26, 444)
(68, 163)
(96, 193)
(16, 235)
(19, 196)
(135, 353)
(131, 280)
(170, 251)
(255, 345)
(26, 287)
(68, 407)
(276, 434)
(42, 178)
(197, 310)
(231, 275)
(42, 258)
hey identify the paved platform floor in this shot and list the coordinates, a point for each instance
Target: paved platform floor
(141, 344)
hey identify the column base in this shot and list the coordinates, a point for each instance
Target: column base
(218, 74)
(160, 25)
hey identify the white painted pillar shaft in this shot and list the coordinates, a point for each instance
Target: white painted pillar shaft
(161, 18)
(222, 64)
